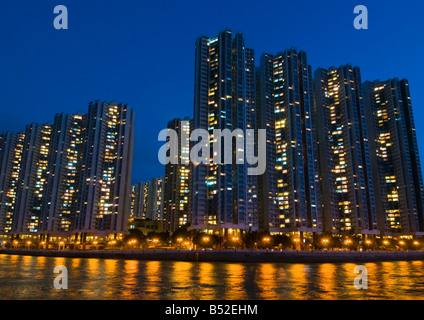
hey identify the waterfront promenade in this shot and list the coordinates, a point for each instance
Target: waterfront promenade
(230, 255)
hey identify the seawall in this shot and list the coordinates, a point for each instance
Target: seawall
(232, 255)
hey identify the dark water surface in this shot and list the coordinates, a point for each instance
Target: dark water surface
(25, 277)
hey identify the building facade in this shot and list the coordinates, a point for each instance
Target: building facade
(224, 82)
(177, 183)
(346, 177)
(396, 163)
(12, 146)
(104, 194)
(155, 199)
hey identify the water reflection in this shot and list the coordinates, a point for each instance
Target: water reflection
(268, 280)
(208, 285)
(32, 278)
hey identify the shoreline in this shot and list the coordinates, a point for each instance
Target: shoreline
(239, 256)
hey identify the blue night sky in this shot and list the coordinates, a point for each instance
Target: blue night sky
(142, 53)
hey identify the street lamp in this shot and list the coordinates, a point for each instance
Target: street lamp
(368, 242)
(325, 242)
(235, 240)
(179, 240)
(266, 239)
(132, 242)
(155, 242)
(386, 243)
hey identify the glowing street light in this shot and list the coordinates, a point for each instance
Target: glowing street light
(179, 240)
(266, 239)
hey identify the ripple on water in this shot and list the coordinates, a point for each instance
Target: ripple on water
(32, 278)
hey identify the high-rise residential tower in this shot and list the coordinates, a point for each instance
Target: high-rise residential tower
(396, 163)
(104, 193)
(33, 179)
(348, 192)
(224, 81)
(64, 167)
(177, 188)
(287, 103)
(252, 196)
(267, 183)
(11, 150)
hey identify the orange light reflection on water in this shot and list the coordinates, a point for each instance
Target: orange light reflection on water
(234, 282)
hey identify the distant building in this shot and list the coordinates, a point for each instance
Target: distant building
(155, 198)
(139, 198)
